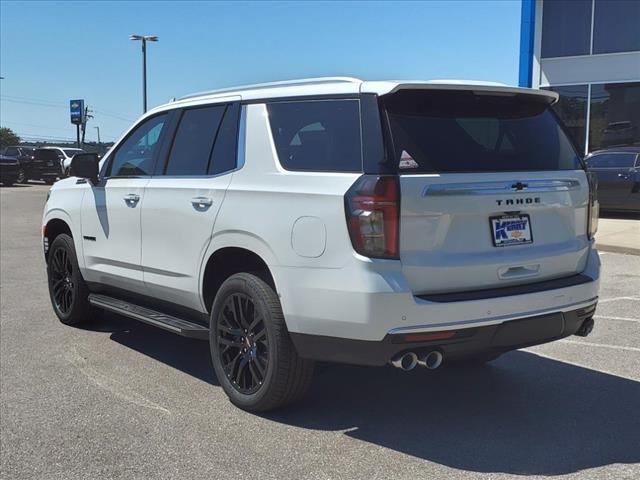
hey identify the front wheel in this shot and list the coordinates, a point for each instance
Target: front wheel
(67, 289)
(253, 356)
(8, 182)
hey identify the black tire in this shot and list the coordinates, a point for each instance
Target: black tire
(249, 341)
(8, 182)
(67, 289)
(22, 176)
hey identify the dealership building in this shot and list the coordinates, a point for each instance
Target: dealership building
(588, 51)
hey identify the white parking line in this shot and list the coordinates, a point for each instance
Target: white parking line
(576, 364)
(626, 319)
(602, 345)
(615, 299)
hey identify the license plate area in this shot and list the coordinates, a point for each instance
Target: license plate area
(508, 230)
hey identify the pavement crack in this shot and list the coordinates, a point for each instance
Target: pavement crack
(111, 385)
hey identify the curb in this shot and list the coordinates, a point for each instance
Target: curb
(617, 249)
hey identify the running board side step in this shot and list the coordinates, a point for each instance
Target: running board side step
(152, 317)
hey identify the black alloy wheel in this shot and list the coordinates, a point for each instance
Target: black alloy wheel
(67, 289)
(61, 280)
(253, 356)
(22, 176)
(243, 344)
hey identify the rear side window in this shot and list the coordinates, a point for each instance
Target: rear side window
(193, 143)
(461, 131)
(223, 158)
(205, 142)
(612, 160)
(322, 135)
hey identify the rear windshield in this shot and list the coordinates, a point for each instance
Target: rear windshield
(463, 131)
(45, 154)
(70, 152)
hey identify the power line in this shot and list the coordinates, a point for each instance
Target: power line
(40, 103)
(11, 122)
(24, 102)
(36, 126)
(39, 100)
(32, 136)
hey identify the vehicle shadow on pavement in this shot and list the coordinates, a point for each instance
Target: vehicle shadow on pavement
(523, 414)
(185, 354)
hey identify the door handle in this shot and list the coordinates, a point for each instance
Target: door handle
(131, 200)
(201, 203)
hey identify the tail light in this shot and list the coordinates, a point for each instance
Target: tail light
(594, 206)
(372, 207)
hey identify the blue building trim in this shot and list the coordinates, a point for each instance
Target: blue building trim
(527, 29)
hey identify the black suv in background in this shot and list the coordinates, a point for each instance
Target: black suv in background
(45, 166)
(618, 173)
(25, 157)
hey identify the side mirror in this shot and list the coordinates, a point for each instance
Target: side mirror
(85, 165)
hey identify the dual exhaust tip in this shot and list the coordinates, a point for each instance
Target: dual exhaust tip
(409, 360)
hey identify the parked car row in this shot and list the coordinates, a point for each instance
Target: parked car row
(9, 167)
(45, 163)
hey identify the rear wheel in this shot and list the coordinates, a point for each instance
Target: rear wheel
(253, 356)
(67, 289)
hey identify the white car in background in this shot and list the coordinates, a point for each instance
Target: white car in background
(65, 155)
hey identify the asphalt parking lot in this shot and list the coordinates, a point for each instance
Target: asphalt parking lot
(119, 399)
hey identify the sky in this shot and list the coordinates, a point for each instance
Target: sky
(51, 52)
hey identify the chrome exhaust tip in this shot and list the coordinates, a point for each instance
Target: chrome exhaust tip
(405, 361)
(586, 328)
(431, 360)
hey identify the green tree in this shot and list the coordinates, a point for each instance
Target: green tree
(8, 137)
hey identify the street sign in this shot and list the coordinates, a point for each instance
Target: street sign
(76, 108)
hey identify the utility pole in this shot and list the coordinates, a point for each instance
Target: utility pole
(98, 129)
(144, 39)
(87, 116)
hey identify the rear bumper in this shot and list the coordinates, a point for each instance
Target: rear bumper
(368, 300)
(464, 343)
(45, 171)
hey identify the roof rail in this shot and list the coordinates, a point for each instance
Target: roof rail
(284, 83)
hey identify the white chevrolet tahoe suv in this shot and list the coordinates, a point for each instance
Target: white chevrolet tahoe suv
(371, 223)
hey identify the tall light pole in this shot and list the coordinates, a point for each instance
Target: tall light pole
(98, 129)
(144, 39)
